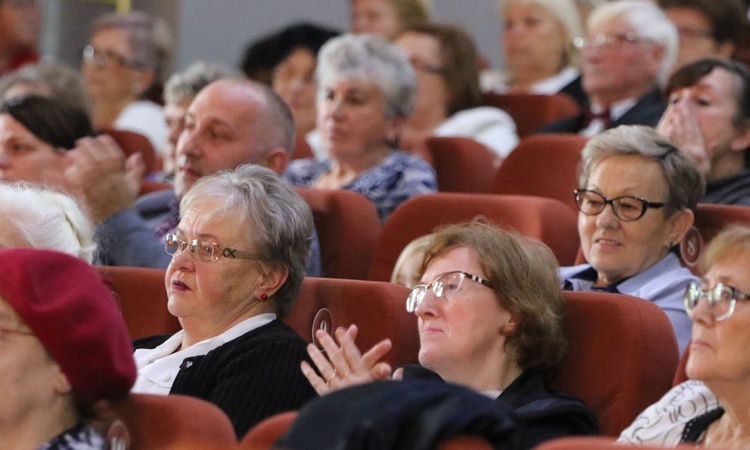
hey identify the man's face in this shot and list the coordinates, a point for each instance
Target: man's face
(617, 64)
(219, 134)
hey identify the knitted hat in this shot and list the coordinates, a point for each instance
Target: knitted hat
(75, 316)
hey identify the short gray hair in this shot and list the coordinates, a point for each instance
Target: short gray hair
(48, 219)
(649, 22)
(374, 60)
(186, 84)
(685, 184)
(49, 79)
(276, 220)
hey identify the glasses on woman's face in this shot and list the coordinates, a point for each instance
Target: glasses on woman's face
(204, 250)
(626, 207)
(721, 299)
(106, 58)
(444, 285)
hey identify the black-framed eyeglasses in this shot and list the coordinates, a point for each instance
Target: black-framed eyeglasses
(608, 41)
(204, 249)
(626, 207)
(107, 58)
(444, 285)
(721, 299)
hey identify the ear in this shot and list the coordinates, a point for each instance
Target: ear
(60, 382)
(658, 54)
(742, 140)
(276, 159)
(509, 325)
(272, 280)
(143, 79)
(679, 224)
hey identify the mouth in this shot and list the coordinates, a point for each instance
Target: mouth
(179, 286)
(604, 242)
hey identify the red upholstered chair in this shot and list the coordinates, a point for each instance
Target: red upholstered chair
(378, 309)
(266, 433)
(545, 165)
(143, 299)
(622, 356)
(680, 375)
(547, 220)
(167, 421)
(132, 142)
(597, 443)
(531, 111)
(348, 228)
(709, 221)
(461, 164)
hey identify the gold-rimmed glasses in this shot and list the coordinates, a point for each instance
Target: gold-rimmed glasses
(204, 250)
(444, 285)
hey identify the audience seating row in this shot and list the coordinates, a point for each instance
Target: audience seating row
(531, 111)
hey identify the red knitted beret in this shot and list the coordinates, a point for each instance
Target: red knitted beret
(75, 316)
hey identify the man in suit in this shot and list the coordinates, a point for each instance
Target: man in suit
(628, 52)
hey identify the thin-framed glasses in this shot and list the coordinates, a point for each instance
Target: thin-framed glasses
(204, 249)
(721, 299)
(626, 207)
(444, 285)
(607, 41)
(106, 58)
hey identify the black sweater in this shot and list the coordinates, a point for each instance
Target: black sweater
(251, 377)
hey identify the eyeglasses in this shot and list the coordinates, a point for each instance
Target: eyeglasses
(721, 299)
(626, 207)
(106, 58)
(444, 285)
(204, 250)
(607, 41)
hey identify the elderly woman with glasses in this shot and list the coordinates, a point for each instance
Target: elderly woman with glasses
(711, 407)
(127, 55)
(239, 256)
(637, 200)
(489, 311)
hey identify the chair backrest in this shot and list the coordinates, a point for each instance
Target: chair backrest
(378, 309)
(622, 356)
(680, 374)
(531, 111)
(544, 165)
(131, 142)
(598, 443)
(263, 435)
(461, 164)
(348, 227)
(710, 219)
(143, 299)
(167, 421)
(547, 220)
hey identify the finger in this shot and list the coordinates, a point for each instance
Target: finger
(377, 352)
(315, 380)
(333, 351)
(321, 362)
(398, 374)
(349, 350)
(381, 371)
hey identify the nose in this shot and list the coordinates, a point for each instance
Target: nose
(607, 218)
(4, 159)
(183, 260)
(428, 307)
(702, 313)
(188, 143)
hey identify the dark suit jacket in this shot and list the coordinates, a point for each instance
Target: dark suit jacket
(647, 111)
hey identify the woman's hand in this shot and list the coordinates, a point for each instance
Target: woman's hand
(680, 124)
(343, 365)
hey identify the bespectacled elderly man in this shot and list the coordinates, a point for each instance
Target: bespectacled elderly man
(628, 52)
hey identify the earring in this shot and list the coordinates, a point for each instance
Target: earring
(668, 245)
(264, 296)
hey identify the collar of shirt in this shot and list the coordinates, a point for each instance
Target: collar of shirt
(616, 111)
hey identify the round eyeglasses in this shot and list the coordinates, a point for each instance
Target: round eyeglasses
(203, 249)
(626, 207)
(445, 284)
(721, 299)
(106, 58)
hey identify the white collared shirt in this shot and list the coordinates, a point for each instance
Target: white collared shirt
(158, 367)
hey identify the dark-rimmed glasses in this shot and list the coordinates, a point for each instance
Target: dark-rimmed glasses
(106, 58)
(721, 299)
(445, 284)
(204, 249)
(626, 207)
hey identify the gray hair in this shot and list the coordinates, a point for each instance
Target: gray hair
(276, 220)
(374, 60)
(48, 79)
(566, 13)
(648, 22)
(685, 184)
(186, 84)
(48, 219)
(149, 39)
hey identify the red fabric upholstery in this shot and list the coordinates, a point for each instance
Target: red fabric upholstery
(267, 432)
(622, 356)
(462, 164)
(531, 111)
(545, 165)
(143, 299)
(168, 421)
(680, 375)
(132, 142)
(548, 220)
(348, 228)
(597, 443)
(465, 443)
(302, 149)
(378, 309)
